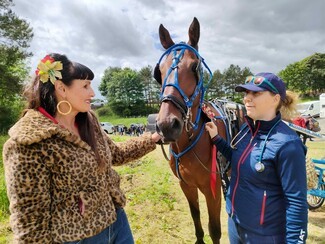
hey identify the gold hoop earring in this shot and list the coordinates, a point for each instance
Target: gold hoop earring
(58, 107)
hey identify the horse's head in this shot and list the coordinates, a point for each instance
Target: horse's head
(181, 77)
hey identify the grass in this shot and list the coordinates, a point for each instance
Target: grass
(157, 209)
(316, 149)
(5, 230)
(4, 203)
(125, 121)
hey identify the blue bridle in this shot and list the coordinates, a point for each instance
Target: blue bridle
(178, 52)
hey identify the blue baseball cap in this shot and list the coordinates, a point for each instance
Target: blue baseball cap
(273, 84)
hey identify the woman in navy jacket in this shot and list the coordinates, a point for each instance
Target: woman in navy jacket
(267, 197)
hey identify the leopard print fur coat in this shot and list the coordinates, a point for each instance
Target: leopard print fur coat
(50, 173)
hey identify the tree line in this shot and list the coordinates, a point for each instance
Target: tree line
(129, 92)
(132, 93)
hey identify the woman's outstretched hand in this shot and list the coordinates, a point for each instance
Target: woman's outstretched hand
(156, 137)
(212, 129)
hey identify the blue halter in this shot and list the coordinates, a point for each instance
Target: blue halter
(178, 52)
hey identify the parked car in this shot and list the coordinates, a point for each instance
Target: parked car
(97, 104)
(107, 127)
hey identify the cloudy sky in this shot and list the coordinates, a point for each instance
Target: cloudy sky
(264, 35)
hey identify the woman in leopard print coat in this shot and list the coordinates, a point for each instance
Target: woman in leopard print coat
(58, 162)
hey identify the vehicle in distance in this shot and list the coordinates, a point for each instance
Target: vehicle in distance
(309, 108)
(151, 123)
(107, 127)
(97, 104)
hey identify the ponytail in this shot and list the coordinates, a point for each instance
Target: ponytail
(287, 107)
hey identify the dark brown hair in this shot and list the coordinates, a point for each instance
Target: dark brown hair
(39, 94)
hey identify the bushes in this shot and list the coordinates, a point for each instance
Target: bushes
(104, 111)
(4, 202)
(10, 112)
(126, 112)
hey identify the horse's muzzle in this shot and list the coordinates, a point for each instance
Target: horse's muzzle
(170, 130)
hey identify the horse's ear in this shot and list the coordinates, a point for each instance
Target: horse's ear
(194, 33)
(165, 39)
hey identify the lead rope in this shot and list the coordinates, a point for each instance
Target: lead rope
(164, 152)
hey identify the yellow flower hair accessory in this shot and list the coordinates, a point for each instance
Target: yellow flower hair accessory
(48, 68)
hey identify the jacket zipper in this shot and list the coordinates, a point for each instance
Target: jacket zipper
(263, 209)
(241, 160)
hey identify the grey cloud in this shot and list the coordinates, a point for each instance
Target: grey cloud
(277, 16)
(263, 35)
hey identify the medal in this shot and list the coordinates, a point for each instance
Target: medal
(259, 167)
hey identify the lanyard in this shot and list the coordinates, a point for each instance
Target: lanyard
(259, 166)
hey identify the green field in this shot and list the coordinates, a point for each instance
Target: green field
(125, 121)
(156, 207)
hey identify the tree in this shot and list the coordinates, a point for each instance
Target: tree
(151, 88)
(103, 86)
(306, 76)
(126, 93)
(215, 86)
(16, 35)
(234, 76)
(296, 77)
(316, 66)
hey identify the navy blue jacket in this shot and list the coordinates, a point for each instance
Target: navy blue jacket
(274, 201)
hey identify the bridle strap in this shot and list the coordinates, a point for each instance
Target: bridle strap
(187, 103)
(177, 156)
(177, 102)
(199, 90)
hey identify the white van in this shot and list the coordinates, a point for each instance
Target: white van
(322, 105)
(311, 108)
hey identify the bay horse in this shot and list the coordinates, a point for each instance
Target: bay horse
(181, 123)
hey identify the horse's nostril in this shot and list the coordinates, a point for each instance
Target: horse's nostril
(176, 124)
(170, 129)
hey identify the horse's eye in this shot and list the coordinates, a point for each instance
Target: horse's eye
(194, 67)
(157, 74)
(196, 71)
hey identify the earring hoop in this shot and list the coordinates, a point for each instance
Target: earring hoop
(58, 107)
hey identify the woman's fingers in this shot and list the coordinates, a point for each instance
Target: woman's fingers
(211, 128)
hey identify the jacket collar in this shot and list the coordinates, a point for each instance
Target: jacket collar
(34, 127)
(264, 126)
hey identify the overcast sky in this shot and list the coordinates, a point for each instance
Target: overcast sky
(264, 35)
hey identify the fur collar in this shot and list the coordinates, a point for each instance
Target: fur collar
(34, 127)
